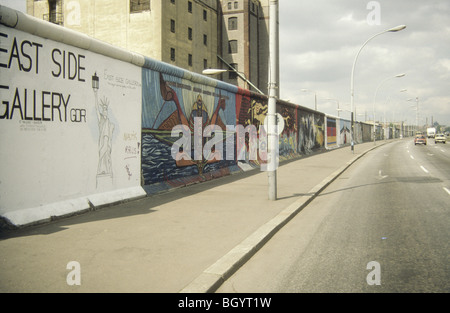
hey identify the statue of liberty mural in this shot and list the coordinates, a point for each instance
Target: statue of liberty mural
(106, 129)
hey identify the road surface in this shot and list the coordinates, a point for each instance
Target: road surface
(382, 226)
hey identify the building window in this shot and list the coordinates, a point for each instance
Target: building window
(205, 15)
(172, 54)
(254, 7)
(232, 46)
(236, 5)
(205, 63)
(229, 6)
(205, 40)
(189, 6)
(137, 6)
(190, 59)
(190, 33)
(54, 15)
(172, 1)
(172, 26)
(232, 74)
(232, 23)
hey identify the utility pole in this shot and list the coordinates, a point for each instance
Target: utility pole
(273, 95)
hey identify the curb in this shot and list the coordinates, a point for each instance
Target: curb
(215, 275)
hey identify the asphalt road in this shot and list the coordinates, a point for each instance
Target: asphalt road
(382, 226)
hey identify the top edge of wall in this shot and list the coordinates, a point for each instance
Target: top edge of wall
(34, 26)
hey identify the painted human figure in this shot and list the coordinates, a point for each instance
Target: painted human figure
(106, 129)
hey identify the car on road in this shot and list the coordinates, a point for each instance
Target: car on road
(420, 139)
(440, 138)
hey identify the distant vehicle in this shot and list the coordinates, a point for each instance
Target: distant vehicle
(440, 138)
(431, 132)
(420, 139)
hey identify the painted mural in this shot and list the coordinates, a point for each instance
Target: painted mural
(379, 132)
(92, 122)
(331, 132)
(344, 132)
(288, 141)
(357, 133)
(251, 110)
(169, 101)
(311, 135)
(366, 132)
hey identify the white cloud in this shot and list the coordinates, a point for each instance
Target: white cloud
(319, 40)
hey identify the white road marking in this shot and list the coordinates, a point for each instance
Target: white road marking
(424, 169)
(447, 190)
(411, 157)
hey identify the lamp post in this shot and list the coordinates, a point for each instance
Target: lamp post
(394, 29)
(315, 97)
(272, 134)
(337, 101)
(417, 112)
(272, 129)
(374, 99)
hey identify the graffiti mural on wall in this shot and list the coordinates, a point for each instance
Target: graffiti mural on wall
(170, 101)
(344, 132)
(366, 132)
(358, 132)
(250, 112)
(311, 132)
(331, 132)
(288, 141)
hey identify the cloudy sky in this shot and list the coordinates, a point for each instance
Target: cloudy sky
(319, 41)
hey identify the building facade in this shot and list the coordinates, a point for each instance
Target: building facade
(245, 41)
(191, 34)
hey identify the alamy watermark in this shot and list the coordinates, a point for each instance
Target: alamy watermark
(74, 276)
(374, 16)
(212, 149)
(374, 277)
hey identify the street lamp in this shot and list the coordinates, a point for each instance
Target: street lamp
(374, 98)
(385, 120)
(211, 71)
(331, 99)
(394, 29)
(315, 97)
(342, 110)
(417, 112)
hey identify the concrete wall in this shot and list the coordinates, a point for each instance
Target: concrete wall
(65, 146)
(85, 124)
(332, 132)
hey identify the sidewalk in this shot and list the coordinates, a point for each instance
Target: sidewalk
(186, 240)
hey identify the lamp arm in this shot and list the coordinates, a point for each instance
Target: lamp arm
(240, 75)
